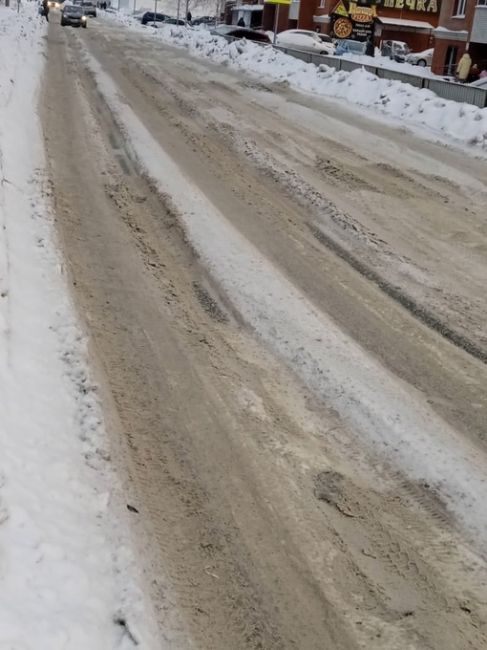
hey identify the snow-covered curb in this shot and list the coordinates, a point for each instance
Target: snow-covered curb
(415, 107)
(68, 577)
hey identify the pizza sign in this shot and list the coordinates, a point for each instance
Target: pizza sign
(356, 22)
(342, 28)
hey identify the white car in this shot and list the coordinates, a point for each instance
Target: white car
(480, 83)
(422, 59)
(302, 39)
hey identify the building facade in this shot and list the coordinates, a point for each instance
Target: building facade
(462, 26)
(412, 21)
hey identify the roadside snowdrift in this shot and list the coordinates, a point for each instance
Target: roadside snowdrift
(463, 123)
(67, 572)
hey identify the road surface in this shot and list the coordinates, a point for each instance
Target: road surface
(265, 518)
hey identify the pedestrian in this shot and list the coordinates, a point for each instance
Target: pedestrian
(463, 67)
(369, 47)
(189, 17)
(45, 9)
(474, 73)
(241, 22)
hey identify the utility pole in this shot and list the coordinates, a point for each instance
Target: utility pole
(276, 21)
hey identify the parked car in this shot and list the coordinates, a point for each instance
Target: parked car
(241, 32)
(396, 50)
(73, 15)
(175, 21)
(480, 83)
(302, 39)
(203, 20)
(324, 37)
(347, 46)
(89, 7)
(151, 17)
(222, 30)
(422, 59)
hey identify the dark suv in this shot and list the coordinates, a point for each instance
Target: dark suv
(151, 17)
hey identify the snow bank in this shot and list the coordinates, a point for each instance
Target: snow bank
(412, 106)
(67, 573)
(386, 414)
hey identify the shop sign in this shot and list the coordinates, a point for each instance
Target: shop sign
(356, 22)
(427, 6)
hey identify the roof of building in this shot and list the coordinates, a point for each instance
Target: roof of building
(403, 22)
(451, 31)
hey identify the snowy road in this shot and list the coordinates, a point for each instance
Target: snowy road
(286, 304)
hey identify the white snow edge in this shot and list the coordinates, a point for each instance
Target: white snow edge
(68, 569)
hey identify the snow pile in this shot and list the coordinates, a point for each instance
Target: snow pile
(412, 106)
(67, 572)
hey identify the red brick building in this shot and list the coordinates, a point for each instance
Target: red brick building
(462, 26)
(412, 21)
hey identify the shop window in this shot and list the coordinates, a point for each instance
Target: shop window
(460, 6)
(451, 59)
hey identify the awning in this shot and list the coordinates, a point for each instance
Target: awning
(404, 25)
(322, 19)
(248, 8)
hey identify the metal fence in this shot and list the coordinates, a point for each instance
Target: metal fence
(457, 92)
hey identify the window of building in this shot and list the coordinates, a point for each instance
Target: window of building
(322, 4)
(460, 6)
(451, 59)
(482, 3)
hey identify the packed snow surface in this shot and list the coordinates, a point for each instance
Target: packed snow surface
(414, 107)
(68, 579)
(388, 415)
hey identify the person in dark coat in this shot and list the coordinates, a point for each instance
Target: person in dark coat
(45, 9)
(241, 22)
(369, 47)
(189, 17)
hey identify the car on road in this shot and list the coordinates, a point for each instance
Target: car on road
(89, 7)
(151, 17)
(241, 32)
(303, 39)
(74, 16)
(347, 46)
(395, 50)
(422, 59)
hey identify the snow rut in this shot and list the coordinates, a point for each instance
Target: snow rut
(386, 414)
